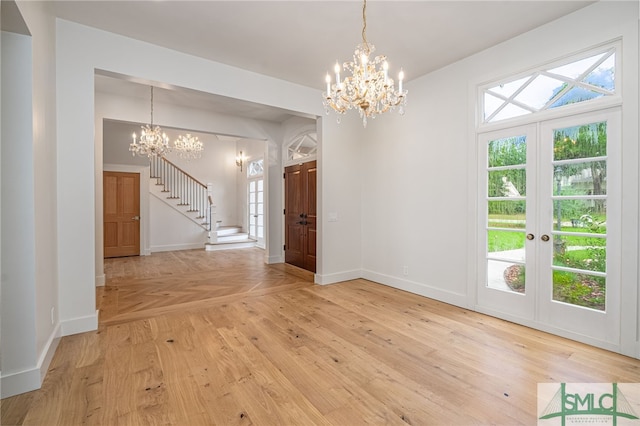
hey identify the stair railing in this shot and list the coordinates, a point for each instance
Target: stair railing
(184, 188)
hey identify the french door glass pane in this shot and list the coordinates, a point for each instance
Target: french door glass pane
(586, 253)
(580, 215)
(506, 214)
(581, 178)
(579, 289)
(508, 276)
(586, 141)
(256, 208)
(506, 244)
(506, 218)
(510, 151)
(580, 206)
(508, 183)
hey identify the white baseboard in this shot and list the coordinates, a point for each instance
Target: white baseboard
(20, 382)
(50, 350)
(79, 325)
(31, 379)
(337, 277)
(174, 247)
(421, 289)
(610, 346)
(101, 280)
(274, 259)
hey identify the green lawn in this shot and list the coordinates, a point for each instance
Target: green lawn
(580, 289)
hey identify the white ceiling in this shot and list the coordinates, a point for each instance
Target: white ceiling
(299, 41)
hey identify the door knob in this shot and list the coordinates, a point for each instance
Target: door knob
(530, 237)
(135, 218)
(545, 237)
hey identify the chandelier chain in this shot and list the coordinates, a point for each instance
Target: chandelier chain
(151, 106)
(364, 26)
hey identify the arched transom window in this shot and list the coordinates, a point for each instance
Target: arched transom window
(302, 148)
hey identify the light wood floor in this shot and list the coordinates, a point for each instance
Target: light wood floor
(195, 337)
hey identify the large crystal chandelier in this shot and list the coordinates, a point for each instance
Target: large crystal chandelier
(188, 147)
(368, 88)
(153, 142)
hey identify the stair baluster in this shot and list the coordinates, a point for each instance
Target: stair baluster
(184, 188)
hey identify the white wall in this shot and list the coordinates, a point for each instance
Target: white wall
(18, 242)
(340, 182)
(171, 230)
(30, 334)
(419, 171)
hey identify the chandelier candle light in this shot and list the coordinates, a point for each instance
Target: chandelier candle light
(153, 142)
(188, 147)
(369, 87)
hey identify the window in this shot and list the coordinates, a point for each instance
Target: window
(256, 168)
(580, 79)
(302, 148)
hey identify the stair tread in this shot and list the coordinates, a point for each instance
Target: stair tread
(229, 245)
(246, 240)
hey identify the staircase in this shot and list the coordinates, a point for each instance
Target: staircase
(181, 191)
(192, 199)
(228, 237)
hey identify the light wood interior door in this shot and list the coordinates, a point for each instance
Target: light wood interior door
(300, 215)
(121, 214)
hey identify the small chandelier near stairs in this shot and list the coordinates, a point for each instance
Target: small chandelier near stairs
(369, 88)
(153, 142)
(188, 147)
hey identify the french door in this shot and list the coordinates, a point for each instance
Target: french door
(549, 214)
(256, 210)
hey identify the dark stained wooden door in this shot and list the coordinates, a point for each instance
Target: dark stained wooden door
(121, 205)
(300, 182)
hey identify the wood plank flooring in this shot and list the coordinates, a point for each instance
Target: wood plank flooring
(220, 338)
